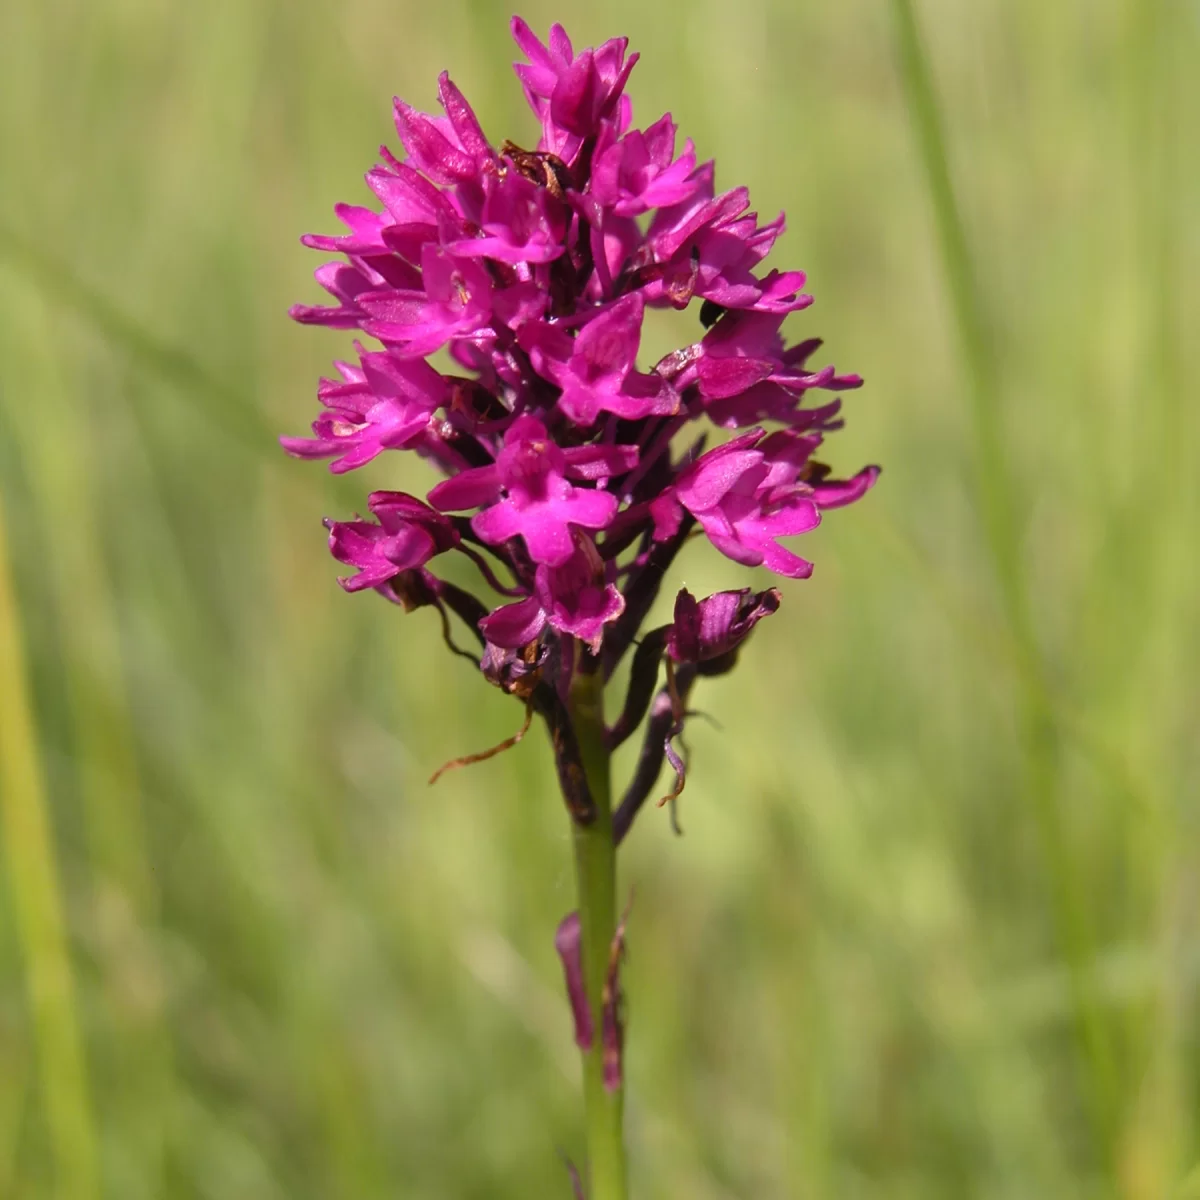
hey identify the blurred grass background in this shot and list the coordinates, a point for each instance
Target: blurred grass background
(932, 931)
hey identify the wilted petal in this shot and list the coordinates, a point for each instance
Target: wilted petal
(709, 628)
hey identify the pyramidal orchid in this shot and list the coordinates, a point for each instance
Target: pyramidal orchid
(572, 477)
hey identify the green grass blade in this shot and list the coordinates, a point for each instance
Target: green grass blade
(996, 485)
(38, 905)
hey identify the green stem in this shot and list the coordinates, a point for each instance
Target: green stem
(596, 876)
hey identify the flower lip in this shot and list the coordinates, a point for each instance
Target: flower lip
(526, 494)
(578, 597)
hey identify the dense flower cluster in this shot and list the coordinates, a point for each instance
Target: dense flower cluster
(566, 484)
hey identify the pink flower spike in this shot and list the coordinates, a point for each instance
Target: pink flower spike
(508, 285)
(575, 478)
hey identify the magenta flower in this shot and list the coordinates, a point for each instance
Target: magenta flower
(527, 493)
(417, 211)
(407, 536)
(453, 301)
(520, 223)
(575, 598)
(596, 369)
(345, 283)
(778, 379)
(385, 405)
(708, 246)
(741, 505)
(532, 269)
(447, 150)
(514, 625)
(364, 239)
(745, 349)
(579, 597)
(570, 93)
(638, 172)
